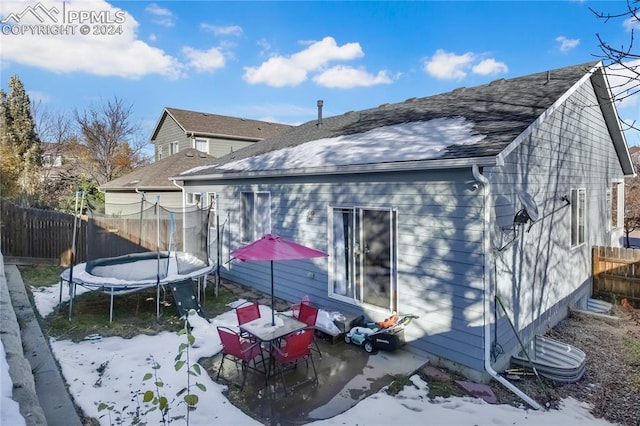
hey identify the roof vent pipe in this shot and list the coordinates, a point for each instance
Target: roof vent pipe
(320, 103)
(548, 76)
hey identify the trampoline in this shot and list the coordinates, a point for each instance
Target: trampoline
(135, 271)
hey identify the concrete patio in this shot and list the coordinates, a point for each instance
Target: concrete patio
(346, 375)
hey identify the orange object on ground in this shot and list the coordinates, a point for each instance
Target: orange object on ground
(392, 320)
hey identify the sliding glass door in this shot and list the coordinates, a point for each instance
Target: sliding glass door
(363, 256)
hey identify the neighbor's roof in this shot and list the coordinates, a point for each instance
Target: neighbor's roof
(451, 129)
(205, 124)
(155, 176)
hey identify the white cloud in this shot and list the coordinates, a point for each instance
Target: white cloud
(280, 71)
(567, 44)
(343, 77)
(204, 60)
(449, 66)
(118, 55)
(231, 30)
(264, 46)
(490, 66)
(163, 16)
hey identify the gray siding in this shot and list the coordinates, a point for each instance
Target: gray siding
(440, 260)
(540, 276)
(168, 132)
(220, 146)
(126, 202)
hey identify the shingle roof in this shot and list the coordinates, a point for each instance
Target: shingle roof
(500, 111)
(156, 175)
(202, 123)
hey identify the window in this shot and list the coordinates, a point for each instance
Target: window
(255, 216)
(200, 145)
(199, 198)
(578, 202)
(363, 256)
(616, 204)
(194, 198)
(160, 151)
(174, 148)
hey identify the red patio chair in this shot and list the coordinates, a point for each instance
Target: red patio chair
(308, 314)
(246, 312)
(294, 347)
(242, 352)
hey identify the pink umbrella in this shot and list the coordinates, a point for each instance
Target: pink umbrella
(273, 247)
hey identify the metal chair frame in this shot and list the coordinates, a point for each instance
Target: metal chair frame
(242, 352)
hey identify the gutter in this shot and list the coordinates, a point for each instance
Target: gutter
(398, 166)
(488, 254)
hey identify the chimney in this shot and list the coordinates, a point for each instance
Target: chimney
(320, 103)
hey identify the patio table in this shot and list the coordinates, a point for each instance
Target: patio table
(267, 333)
(263, 330)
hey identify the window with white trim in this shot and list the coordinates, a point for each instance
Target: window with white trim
(578, 213)
(174, 147)
(200, 145)
(194, 198)
(616, 203)
(255, 215)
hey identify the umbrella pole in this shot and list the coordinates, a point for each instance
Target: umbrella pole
(273, 312)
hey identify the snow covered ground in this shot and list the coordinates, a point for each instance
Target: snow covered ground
(110, 370)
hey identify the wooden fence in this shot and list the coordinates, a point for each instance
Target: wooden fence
(47, 234)
(616, 273)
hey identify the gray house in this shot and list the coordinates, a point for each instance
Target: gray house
(434, 206)
(198, 137)
(213, 134)
(123, 195)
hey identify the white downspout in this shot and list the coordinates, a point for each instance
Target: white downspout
(488, 254)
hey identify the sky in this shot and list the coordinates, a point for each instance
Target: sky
(123, 363)
(273, 60)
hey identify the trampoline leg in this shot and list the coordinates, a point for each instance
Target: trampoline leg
(60, 298)
(72, 293)
(157, 302)
(111, 307)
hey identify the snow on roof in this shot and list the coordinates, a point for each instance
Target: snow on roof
(400, 142)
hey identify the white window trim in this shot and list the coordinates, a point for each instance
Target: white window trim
(394, 266)
(206, 141)
(254, 219)
(581, 213)
(173, 144)
(619, 183)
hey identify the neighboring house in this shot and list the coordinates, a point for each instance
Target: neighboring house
(421, 206)
(59, 160)
(213, 134)
(178, 132)
(152, 182)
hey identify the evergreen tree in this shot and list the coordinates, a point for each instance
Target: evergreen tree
(20, 148)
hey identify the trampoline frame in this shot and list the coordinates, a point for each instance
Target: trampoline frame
(112, 285)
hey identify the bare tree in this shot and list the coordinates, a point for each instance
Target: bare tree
(623, 62)
(107, 132)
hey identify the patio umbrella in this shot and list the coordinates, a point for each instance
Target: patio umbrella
(273, 247)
